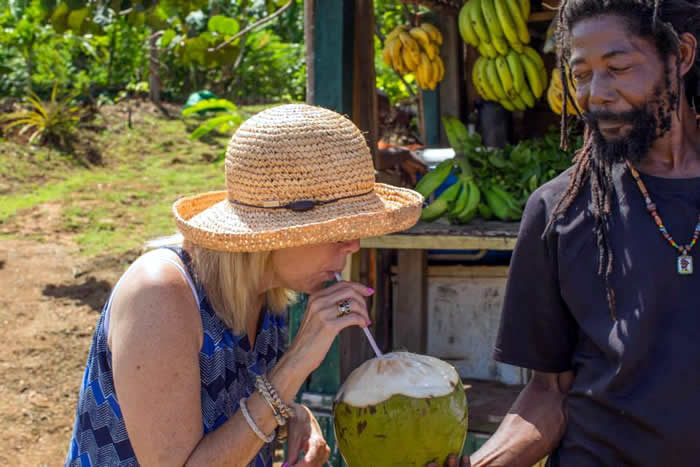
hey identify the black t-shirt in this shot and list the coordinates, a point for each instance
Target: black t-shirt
(635, 399)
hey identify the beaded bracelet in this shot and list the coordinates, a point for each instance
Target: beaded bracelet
(272, 397)
(252, 425)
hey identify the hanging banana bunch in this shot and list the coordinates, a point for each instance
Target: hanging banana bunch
(416, 50)
(515, 81)
(495, 27)
(555, 94)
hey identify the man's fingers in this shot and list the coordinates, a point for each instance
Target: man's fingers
(466, 462)
(452, 461)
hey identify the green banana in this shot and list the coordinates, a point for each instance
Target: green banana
(485, 211)
(480, 65)
(518, 103)
(494, 80)
(505, 77)
(473, 200)
(514, 208)
(507, 105)
(438, 207)
(527, 97)
(500, 44)
(507, 24)
(533, 76)
(461, 202)
(433, 179)
(487, 49)
(466, 29)
(539, 63)
(489, 12)
(519, 21)
(498, 206)
(516, 71)
(478, 21)
(524, 8)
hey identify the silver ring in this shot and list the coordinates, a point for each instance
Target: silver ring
(343, 308)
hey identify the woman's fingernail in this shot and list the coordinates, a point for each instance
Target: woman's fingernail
(370, 290)
(285, 464)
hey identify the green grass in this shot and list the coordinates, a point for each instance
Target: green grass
(118, 206)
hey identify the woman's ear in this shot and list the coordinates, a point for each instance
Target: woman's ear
(688, 52)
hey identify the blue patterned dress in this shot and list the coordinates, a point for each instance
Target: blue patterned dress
(228, 366)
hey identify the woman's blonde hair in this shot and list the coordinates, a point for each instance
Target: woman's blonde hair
(232, 281)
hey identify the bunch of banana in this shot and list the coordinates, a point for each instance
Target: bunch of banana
(495, 26)
(555, 95)
(515, 81)
(416, 50)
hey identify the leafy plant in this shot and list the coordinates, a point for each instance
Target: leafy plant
(222, 123)
(53, 122)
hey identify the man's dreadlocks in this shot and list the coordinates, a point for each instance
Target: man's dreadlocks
(663, 21)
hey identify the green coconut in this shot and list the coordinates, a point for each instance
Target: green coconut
(400, 410)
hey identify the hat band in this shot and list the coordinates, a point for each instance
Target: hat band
(300, 205)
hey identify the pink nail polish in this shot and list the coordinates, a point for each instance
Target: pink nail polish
(285, 464)
(370, 289)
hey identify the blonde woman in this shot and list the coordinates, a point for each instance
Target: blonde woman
(189, 363)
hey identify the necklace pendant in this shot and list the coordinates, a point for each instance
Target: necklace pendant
(685, 265)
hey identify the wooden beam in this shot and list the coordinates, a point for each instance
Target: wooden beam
(410, 312)
(364, 105)
(437, 242)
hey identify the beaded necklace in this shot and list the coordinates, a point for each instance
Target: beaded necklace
(685, 261)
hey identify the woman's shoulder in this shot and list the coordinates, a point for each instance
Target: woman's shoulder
(155, 293)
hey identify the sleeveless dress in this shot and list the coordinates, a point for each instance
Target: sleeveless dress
(228, 367)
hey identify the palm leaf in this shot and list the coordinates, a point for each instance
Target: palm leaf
(210, 105)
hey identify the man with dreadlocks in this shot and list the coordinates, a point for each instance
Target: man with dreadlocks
(603, 297)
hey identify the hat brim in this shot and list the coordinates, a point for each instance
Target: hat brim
(212, 221)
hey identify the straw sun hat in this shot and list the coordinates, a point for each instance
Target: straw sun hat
(296, 175)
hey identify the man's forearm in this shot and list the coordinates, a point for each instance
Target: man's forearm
(532, 428)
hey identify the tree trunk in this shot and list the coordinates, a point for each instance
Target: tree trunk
(154, 81)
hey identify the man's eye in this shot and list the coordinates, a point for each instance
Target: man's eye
(619, 69)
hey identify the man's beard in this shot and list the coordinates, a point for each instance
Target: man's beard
(648, 123)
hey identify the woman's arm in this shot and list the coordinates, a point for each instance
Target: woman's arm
(155, 337)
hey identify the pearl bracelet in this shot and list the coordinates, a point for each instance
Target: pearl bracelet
(252, 425)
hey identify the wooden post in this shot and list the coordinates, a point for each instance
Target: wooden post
(410, 313)
(310, 52)
(333, 56)
(452, 87)
(364, 105)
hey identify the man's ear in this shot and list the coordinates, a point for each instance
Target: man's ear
(688, 51)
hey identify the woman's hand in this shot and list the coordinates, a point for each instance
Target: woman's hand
(322, 322)
(452, 462)
(305, 435)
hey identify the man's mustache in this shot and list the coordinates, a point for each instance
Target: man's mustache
(592, 118)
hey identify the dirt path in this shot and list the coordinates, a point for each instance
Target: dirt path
(50, 299)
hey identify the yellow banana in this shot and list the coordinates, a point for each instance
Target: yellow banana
(478, 21)
(554, 99)
(507, 24)
(421, 37)
(476, 79)
(519, 21)
(527, 97)
(408, 42)
(396, 59)
(386, 55)
(489, 12)
(516, 71)
(535, 57)
(533, 75)
(488, 50)
(411, 59)
(493, 80)
(466, 30)
(433, 32)
(395, 33)
(441, 68)
(427, 66)
(505, 77)
(500, 44)
(524, 8)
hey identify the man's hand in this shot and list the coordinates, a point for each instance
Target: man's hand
(452, 462)
(305, 435)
